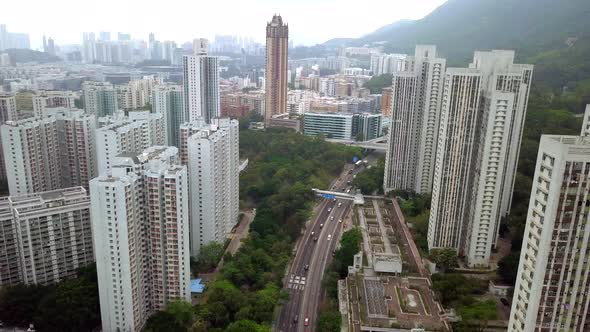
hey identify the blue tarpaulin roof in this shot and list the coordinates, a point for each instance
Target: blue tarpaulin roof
(197, 286)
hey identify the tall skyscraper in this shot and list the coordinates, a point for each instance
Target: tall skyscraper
(99, 98)
(201, 84)
(277, 44)
(415, 99)
(140, 223)
(213, 167)
(168, 100)
(49, 153)
(553, 279)
(128, 136)
(480, 129)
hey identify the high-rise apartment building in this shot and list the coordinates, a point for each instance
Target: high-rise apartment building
(136, 133)
(386, 100)
(54, 234)
(45, 237)
(76, 145)
(480, 129)
(31, 152)
(7, 113)
(416, 97)
(49, 99)
(277, 47)
(168, 100)
(100, 98)
(553, 280)
(140, 222)
(201, 84)
(213, 167)
(387, 63)
(136, 93)
(49, 153)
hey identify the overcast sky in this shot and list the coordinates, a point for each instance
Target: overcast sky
(310, 21)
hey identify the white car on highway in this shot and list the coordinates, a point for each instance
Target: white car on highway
(329, 237)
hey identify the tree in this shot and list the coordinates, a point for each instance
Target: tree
(163, 321)
(209, 256)
(508, 267)
(329, 321)
(246, 326)
(445, 259)
(70, 305)
(377, 83)
(475, 317)
(182, 311)
(19, 301)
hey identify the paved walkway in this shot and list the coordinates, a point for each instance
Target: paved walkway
(382, 227)
(366, 241)
(242, 231)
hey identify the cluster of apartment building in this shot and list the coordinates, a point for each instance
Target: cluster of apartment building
(138, 180)
(455, 133)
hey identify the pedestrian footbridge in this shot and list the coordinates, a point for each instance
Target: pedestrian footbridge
(357, 198)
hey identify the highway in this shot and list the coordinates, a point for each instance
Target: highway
(314, 251)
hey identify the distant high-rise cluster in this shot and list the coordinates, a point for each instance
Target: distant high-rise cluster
(277, 48)
(10, 40)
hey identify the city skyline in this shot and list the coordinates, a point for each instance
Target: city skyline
(297, 14)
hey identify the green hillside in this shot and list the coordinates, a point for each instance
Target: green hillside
(554, 35)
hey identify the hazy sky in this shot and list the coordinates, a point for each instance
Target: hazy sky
(310, 21)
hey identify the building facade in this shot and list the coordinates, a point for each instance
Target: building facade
(50, 99)
(45, 237)
(49, 153)
(168, 100)
(415, 99)
(330, 125)
(277, 47)
(552, 284)
(136, 133)
(141, 229)
(201, 85)
(213, 164)
(7, 113)
(100, 98)
(32, 161)
(480, 130)
(54, 234)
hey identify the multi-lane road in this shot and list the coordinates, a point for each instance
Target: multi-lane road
(313, 253)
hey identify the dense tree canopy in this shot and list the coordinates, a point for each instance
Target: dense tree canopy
(377, 83)
(283, 167)
(371, 180)
(71, 305)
